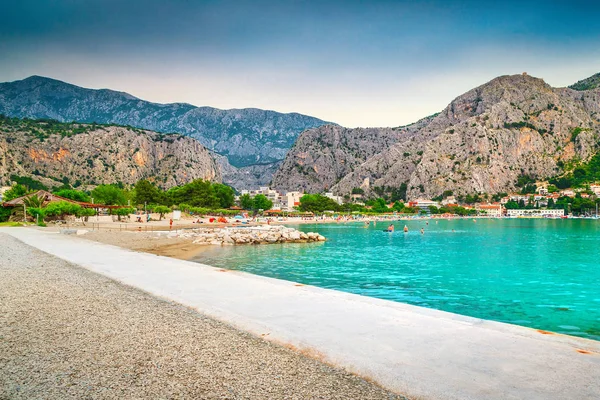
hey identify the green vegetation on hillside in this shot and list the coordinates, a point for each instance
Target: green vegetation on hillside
(586, 84)
(42, 129)
(582, 174)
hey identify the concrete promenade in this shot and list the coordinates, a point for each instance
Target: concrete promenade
(415, 351)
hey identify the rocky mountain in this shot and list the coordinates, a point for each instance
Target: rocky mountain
(250, 177)
(245, 136)
(322, 156)
(480, 143)
(94, 154)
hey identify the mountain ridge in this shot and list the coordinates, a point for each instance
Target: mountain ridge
(480, 143)
(246, 136)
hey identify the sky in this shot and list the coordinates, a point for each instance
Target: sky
(356, 63)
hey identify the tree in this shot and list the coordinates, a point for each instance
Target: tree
(161, 210)
(261, 202)
(123, 212)
(109, 195)
(511, 205)
(5, 213)
(33, 201)
(62, 208)
(225, 194)
(73, 195)
(146, 192)
(198, 193)
(317, 203)
(398, 206)
(246, 202)
(85, 213)
(14, 192)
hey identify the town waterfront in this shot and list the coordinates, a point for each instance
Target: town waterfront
(538, 273)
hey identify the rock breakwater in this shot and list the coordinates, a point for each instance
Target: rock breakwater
(249, 235)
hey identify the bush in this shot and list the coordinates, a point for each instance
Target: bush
(61, 209)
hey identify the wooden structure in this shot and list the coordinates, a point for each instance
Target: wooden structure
(48, 197)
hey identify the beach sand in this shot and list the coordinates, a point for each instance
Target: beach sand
(148, 242)
(68, 333)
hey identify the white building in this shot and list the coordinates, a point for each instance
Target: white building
(423, 204)
(337, 199)
(595, 189)
(543, 191)
(291, 200)
(550, 213)
(491, 210)
(449, 200)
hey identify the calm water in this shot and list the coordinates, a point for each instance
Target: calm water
(538, 273)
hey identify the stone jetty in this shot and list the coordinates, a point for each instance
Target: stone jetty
(249, 235)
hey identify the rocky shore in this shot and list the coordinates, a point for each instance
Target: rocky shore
(248, 235)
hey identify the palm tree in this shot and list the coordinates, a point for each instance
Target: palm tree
(33, 201)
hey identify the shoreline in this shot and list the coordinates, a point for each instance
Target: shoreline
(68, 332)
(394, 344)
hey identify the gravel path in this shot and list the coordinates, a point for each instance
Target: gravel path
(67, 333)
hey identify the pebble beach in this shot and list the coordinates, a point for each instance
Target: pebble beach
(68, 333)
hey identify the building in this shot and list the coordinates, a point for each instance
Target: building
(568, 193)
(595, 189)
(548, 213)
(291, 200)
(491, 210)
(337, 199)
(449, 200)
(423, 204)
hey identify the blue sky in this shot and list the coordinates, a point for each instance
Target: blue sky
(357, 63)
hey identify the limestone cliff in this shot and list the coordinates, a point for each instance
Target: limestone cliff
(95, 154)
(480, 143)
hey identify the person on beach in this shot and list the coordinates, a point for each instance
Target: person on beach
(171, 224)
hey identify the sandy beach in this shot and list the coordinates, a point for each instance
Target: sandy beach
(69, 333)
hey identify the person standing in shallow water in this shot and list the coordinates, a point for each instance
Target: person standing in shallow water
(422, 231)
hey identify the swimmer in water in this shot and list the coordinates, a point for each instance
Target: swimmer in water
(405, 228)
(390, 228)
(422, 231)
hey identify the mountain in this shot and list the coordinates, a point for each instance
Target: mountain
(245, 136)
(482, 142)
(322, 156)
(81, 154)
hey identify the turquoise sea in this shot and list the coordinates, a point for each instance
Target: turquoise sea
(538, 273)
